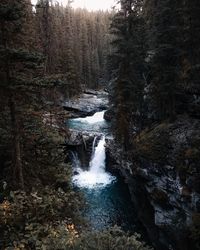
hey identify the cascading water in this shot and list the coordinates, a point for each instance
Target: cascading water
(97, 163)
(95, 123)
(107, 197)
(93, 146)
(97, 117)
(76, 164)
(96, 176)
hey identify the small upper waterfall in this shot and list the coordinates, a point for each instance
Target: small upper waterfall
(96, 175)
(97, 117)
(95, 123)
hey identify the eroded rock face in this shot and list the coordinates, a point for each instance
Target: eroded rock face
(163, 175)
(108, 116)
(82, 143)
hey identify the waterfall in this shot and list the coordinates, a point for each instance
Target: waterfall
(96, 176)
(97, 117)
(75, 161)
(93, 146)
(97, 163)
(95, 123)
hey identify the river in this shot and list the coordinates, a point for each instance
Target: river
(107, 196)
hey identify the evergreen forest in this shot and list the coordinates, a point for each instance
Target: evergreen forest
(144, 56)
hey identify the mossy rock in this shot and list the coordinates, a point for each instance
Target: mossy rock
(154, 145)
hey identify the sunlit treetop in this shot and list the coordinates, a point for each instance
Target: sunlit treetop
(88, 4)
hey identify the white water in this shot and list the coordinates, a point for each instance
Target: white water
(76, 162)
(93, 146)
(97, 117)
(96, 176)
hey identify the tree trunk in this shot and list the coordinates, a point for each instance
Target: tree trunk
(17, 173)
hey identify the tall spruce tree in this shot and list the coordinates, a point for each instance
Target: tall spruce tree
(128, 59)
(17, 66)
(190, 63)
(164, 20)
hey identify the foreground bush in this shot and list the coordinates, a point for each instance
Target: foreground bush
(111, 239)
(46, 222)
(27, 220)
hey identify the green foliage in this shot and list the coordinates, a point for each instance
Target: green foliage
(11, 11)
(166, 60)
(42, 52)
(65, 237)
(30, 218)
(156, 79)
(49, 219)
(173, 78)
(75, 43)
(128, 32)
(113, 238)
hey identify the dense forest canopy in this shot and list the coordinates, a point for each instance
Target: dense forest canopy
(156, 62)
(44, 50)
(155, 103)
(145, 53)
(75, 42)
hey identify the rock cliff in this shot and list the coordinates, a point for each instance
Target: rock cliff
(163, 175)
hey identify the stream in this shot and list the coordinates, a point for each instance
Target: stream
(107, 196)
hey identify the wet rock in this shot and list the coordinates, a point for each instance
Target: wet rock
(143, 173)
(81, 143)
(108, 116)
(74, 139)
(87, 104)
(93, 92)
(75, 173)
(160, 197)
(163, 176)
(186, 192)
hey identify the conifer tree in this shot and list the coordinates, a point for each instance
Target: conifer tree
(165, 65)
(190, 11)
(128, 58)
(18, 64)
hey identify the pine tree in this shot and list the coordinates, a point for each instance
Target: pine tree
(18, 64)
(128, 58)
(43, 10)
(165, 64)
(68, 55)
(190, 11)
